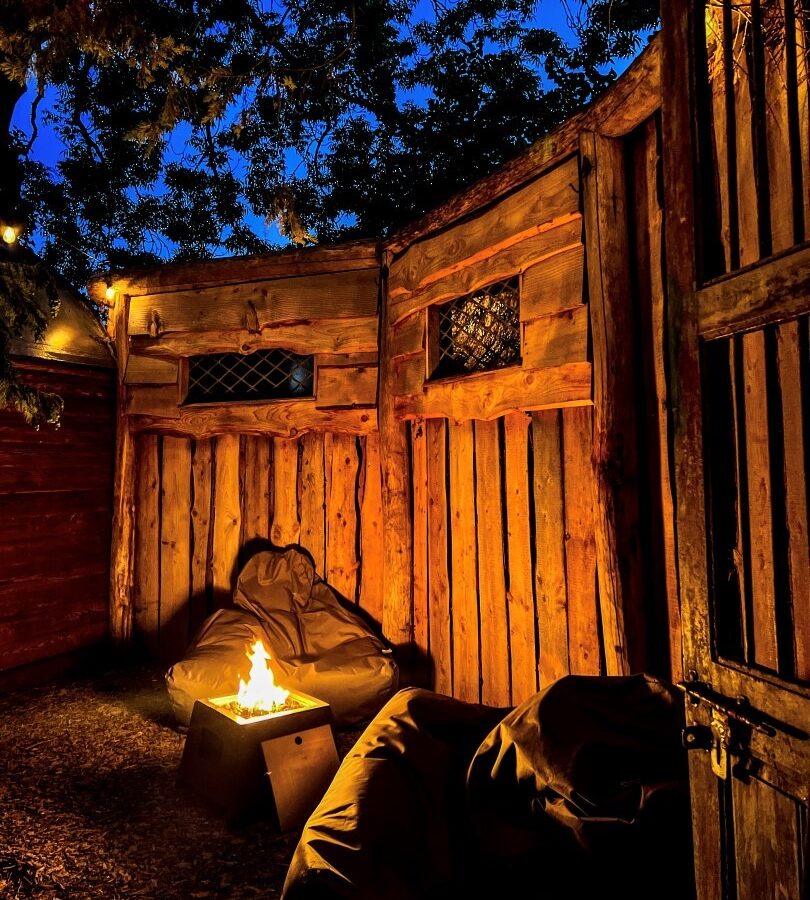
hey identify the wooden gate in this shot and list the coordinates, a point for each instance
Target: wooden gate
(737, 155)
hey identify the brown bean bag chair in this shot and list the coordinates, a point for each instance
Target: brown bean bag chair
(316, 644)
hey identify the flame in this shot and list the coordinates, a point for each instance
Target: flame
(260, 693)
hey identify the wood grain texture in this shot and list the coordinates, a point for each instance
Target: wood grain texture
(511, 257)
(396, 497)
(766, 830)
(580, 547)
(146, 609)
(201, 517)
(555, 340)
(286, 263)
(554, 284)
(760, 520)
(341, 462)
(312, 499)
(794, 411)
(253, 305)
(614, 426)
(154, 410)
(520, 592)
(551, 587)
(775, 291)
(257, 490)
(520, 216)
(464, 588)
(420, 540)
(372, 535)
(122, 552)
(147, 370)
(286, 526)
(489, 395)
(175, 548)
(352, 335)
(408, 336)
(227, 519)
(438, 571)
(494, 619)
(346, 386)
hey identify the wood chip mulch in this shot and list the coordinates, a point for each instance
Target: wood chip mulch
(89, 807)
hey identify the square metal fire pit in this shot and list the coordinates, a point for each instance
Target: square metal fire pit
(247, 768)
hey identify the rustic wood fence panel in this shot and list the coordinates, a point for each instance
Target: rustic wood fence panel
(204, 506)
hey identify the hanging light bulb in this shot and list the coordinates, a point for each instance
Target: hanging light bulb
(10, 234)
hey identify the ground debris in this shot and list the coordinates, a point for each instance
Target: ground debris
(90, 807)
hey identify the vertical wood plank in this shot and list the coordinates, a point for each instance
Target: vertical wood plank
(803, 104)
(175, 547)
(147, 541)
(615, 461)
(780, 175)
(201, 486)
(122, 550)
(743, 105)
(312, 499)
(767, 838)
(340, 454)
(420, 538)
(227, 523)
(438, 574)
(794, 410)
(580, 547)
(372, 554)
(494, 625)
(657, 335)
(286, 527)
(551, 588)
(520, 595)
(716, 58)
(256, 516)
(464, 587)
(396, 493)
(760, 520)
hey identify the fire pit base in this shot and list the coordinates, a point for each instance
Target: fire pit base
(248, 768)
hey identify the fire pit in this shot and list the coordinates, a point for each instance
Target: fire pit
(261, 751)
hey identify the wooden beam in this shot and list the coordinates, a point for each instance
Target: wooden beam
(175, 550)
(396, 497)
(286, 527)
(255, 305)
(489, 395)
(342, 466)
(122, 553)
(346, 386)
(438, 569)
(169, 277)
(352, 335)
(761, 294)
(147, 541)
(143, 370)
(372, 539)
(614, 449)
(227, 515)
(312, 498)
(279, 418)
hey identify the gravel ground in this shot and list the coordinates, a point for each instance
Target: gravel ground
(90, 808)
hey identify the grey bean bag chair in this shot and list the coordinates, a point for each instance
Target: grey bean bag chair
(316, 644)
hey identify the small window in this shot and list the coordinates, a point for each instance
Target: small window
(479, 331)
(262, 375)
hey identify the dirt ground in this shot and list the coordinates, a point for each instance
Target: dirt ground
(90, 808)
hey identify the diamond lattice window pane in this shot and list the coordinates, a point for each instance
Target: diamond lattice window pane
(263, 375)
(480, 331)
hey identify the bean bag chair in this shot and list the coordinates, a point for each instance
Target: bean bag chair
(316, 644)
(580, 792)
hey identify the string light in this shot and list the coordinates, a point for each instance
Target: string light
(10, 234)
(109, 293)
